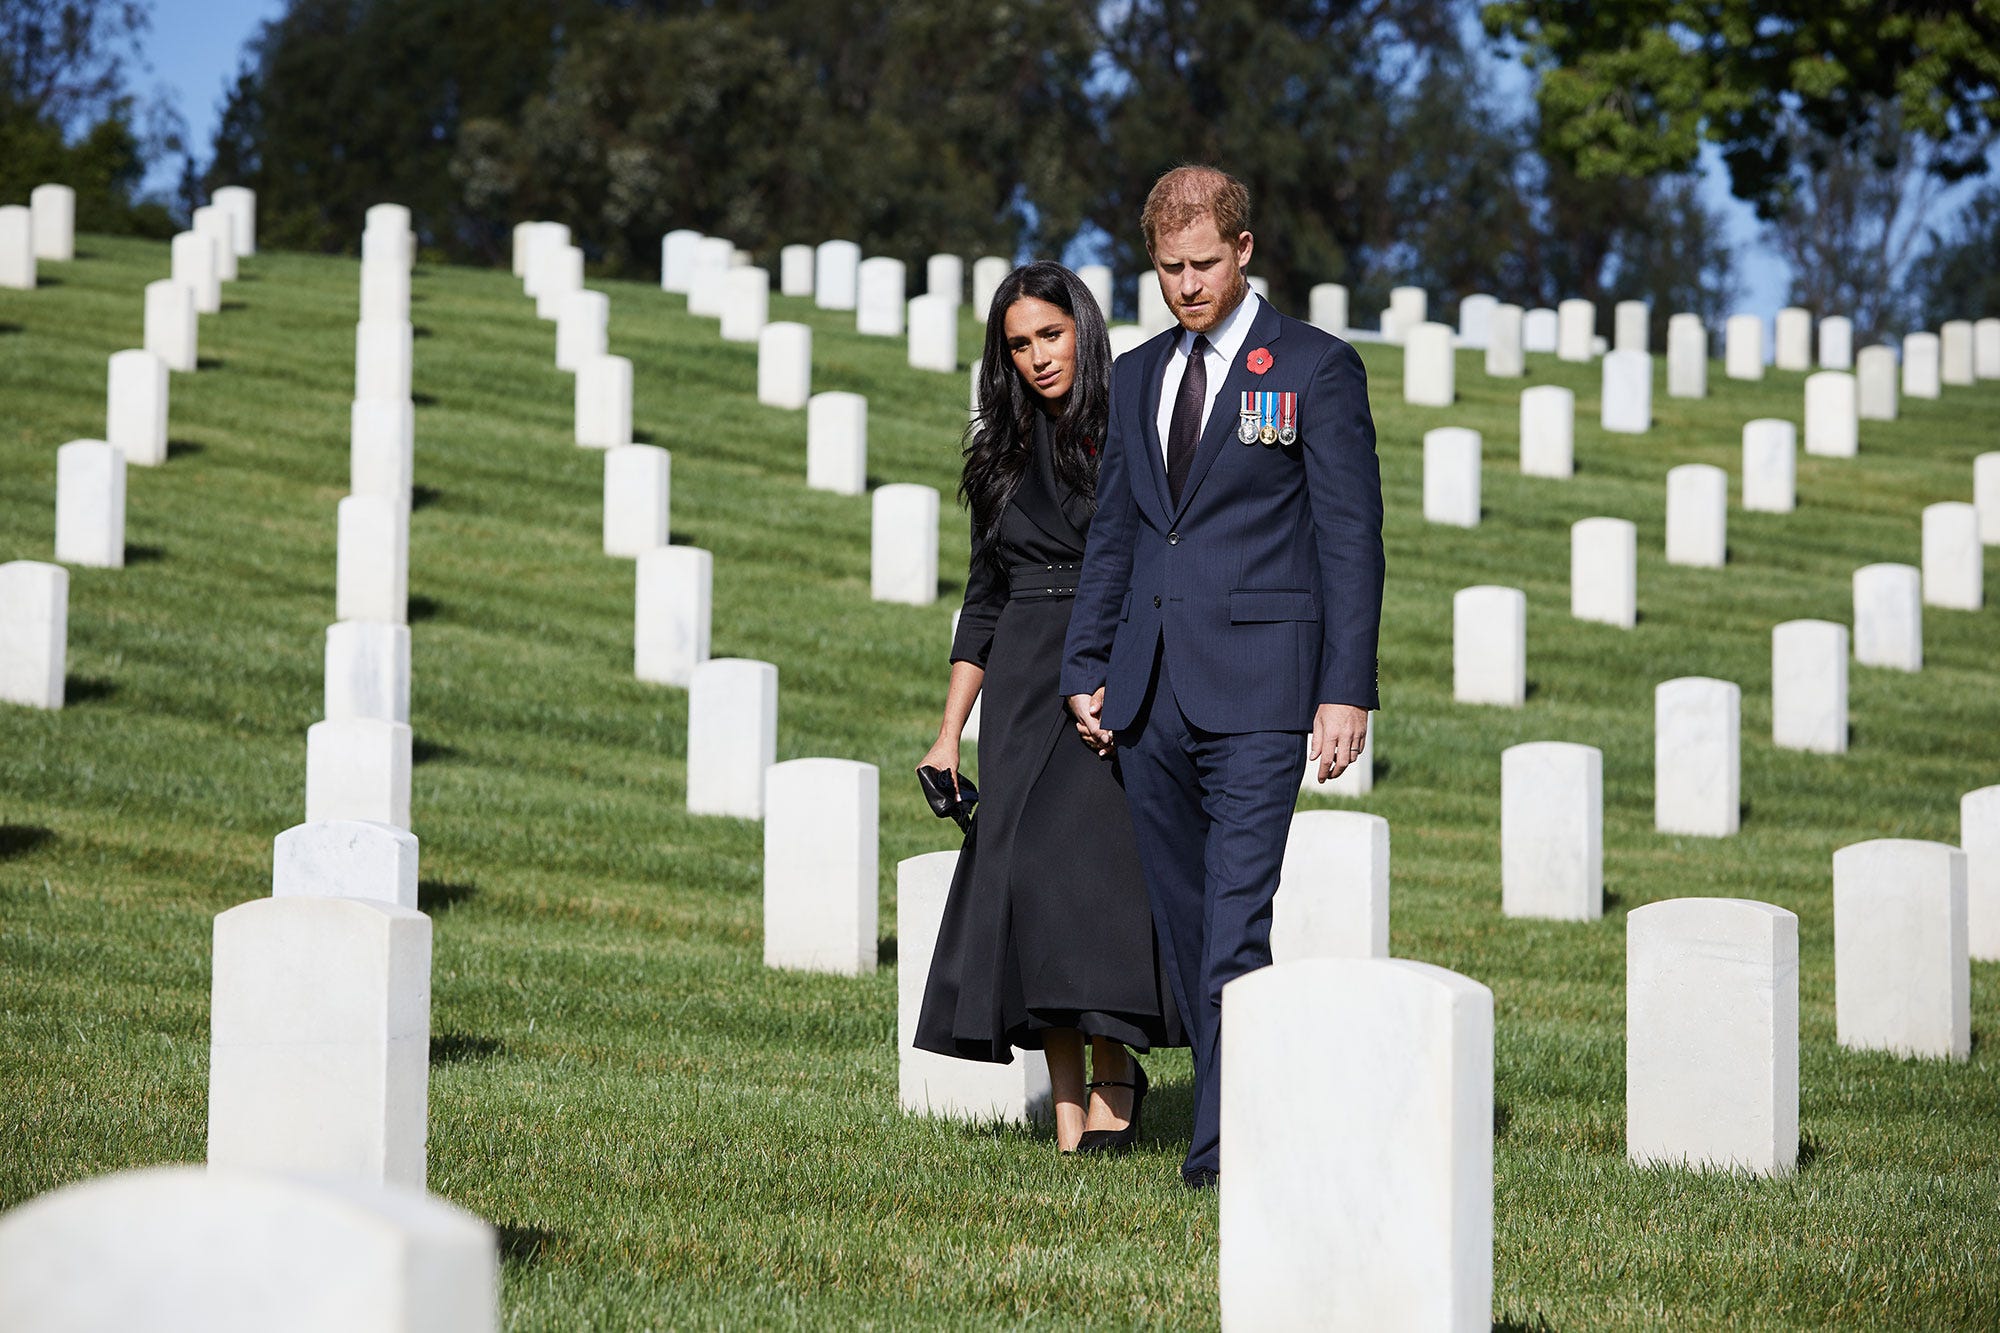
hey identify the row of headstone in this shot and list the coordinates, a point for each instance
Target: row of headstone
(43, 230)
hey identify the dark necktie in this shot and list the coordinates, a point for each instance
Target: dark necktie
(1184, 429)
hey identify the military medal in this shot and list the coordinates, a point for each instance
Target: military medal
(1247, 418)
(1288, 418)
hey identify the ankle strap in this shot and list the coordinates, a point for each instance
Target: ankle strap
(1114, 1083)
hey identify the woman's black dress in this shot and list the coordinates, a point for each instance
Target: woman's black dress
(1047, 924)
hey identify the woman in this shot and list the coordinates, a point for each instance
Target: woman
(1047, 940)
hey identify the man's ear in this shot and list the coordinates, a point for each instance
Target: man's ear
(1245, 243)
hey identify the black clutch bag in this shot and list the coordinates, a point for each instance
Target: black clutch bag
(949, 801)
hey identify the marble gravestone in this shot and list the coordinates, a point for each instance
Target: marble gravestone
(1576, 326)
(820, 890)
(1986, 348)
(1809, 686)
(346, 858)
(1921, 369)
(1628, 393)
(784, 365)
(878, 307)
(1361, 1196)
(1451, 476)
(90, 504)
(1794, 336)
(358, 768)
(1712, 1035)
(1697, 763)
(677, 259)
(371, 571)
(212, 221)
(795, 271)
(1955, 352)
(944, 275)
(582, 329)
(836, 267)
(1687, 357)
(1743, 348)
(1954, 559)
(1979, 837)
(1889, 617)
(1428, 378)
(837, 443)
(52, 222)
(17, 248)
(1901, 970)
(1540, 329)
(1408, 307)
(1489, 659)
(1836, 343)
(1548, 431)
(1770, 465)
(1875, 375)
(34, 633)
(1631, 326)
(1697, 516)
(135, 409)
(1326, 307)
(382, 449)
(1097, 280)
(708, 276)
(1504, 359)
(732, 736)
(746, 304)
(240, 203)
(385, 291)
(933, 333)
(1604, 571)
(382, 359)
(1552, 831)
(367, 671)
(604, 402)
(1333, 888)
(903, 565)
(988, 272)
(673, 605)
(638, 491)
(1986, 496)
(193, 265)
(172, 326)
(1833, 414)
(1475, 320)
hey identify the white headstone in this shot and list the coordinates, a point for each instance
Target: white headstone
(1889, 617)
(1986, 349)
(1986, 496)
(385, 291)
(1360, 1152)
(904, 549)
(1489, 652)
(932, 1084)
(52, 214)
(582, 329)
(1451, 476)
(795, 270)
(637, 496)
(90, 504)
(944, 275)
(1770, 465)
(381, 449)
(1408, 307)
(182, 1248)
(1901, 975)
(546, 241)
(194, 259)
(561, 269)
(1743, 348)
(1428, 379)
(1552, 831)
(732, 736)
(1124, 337)
(1475, 320)
(784, 365)
(604, 402)
(1697, 760)
(1833, 408)
(172, 328)
(240, 203)
(1921, 368)
(135, 406)
(1697, 515)
(1628, 393)
(1604, 571)
(820, 893)
(1261, 286)
(1712, 1035)
(1794, 339)
(673, 605)
(526, 235)
(1954, 560)
(1154, 316)
(746, 296)
(1955, 360)
(319, 1039)
(17, 248)
(1333, 890)
(837, 443)
(1836, 343)
(834, 275)
(1979, 836)
(1541, 328)
(392, 219)
(677, 260)
(1687, 357)
(1326, 306)
(367, 671)
(212, 221)
(1504, 359)
(1631, 326)
(1576, 326)
(382, 357)
(708, 276)
(346, 858)
(933, 333)
(988, 272)
(1875, 368)
(1809, 686)
(372, 565)
(34, 633)
(1548, 431)
(358, 768)
(1357, 779)
(878, 305)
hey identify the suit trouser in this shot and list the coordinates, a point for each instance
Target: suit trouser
(1211, 812)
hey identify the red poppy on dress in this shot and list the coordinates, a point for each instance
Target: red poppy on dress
(1258, 361)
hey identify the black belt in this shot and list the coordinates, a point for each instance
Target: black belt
(1035, 581)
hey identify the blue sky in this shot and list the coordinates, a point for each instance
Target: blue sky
(195, 46)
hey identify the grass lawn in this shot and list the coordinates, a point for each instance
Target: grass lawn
(667, 1134)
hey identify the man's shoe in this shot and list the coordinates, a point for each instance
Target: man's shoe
(1201, 1180)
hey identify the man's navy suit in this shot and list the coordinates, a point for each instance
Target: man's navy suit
(1217, 626)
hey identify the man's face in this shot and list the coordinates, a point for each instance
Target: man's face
(1201, 273)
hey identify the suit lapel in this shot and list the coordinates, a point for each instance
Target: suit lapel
(1264, 330)
(1155, 451)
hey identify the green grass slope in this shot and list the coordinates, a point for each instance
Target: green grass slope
(669, 1135)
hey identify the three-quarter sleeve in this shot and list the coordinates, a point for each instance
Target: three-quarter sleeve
(985, 598)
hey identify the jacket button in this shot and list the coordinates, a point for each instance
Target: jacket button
(1156, 603)
(1173, 539)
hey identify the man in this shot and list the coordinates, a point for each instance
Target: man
(1227, 612)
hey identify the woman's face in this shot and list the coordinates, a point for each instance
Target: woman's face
(1042, 341)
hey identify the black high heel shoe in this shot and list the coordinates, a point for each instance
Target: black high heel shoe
(1118, 1140)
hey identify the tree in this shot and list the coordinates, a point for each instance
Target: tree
(1955, 277)
(1631, 88)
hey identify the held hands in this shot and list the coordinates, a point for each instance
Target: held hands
(1339, 733)
(1087, 709)
(943, 755)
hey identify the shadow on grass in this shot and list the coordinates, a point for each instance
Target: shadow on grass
(87, 689)
(235, 305)
(423, 497)
(643, 437)
(184, 449)
(421, 331)
(6, 328)
(420, 608)
(47, 280)
(457, 1048)
(424, 399)
(1613, 900)
(430, 752)
(885, 951)
(1503, 1116)
(435, 895)
(20, 839)
(1532, 1324)
(209, 363)
(137, 554)
(524, 1245)
(1810, 1151)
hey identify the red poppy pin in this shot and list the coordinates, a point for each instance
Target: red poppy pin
(1258, 361)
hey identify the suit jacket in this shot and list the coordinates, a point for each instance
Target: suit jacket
(1263, 586)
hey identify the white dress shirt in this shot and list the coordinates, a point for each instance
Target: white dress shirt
(1225, 340)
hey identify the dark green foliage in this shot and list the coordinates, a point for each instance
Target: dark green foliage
(1958, 275)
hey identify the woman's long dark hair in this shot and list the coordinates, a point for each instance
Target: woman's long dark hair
(999, 441)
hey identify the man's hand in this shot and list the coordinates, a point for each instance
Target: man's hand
(1087, 708)
(1339, 733)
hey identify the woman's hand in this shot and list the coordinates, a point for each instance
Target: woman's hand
(943, 754)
